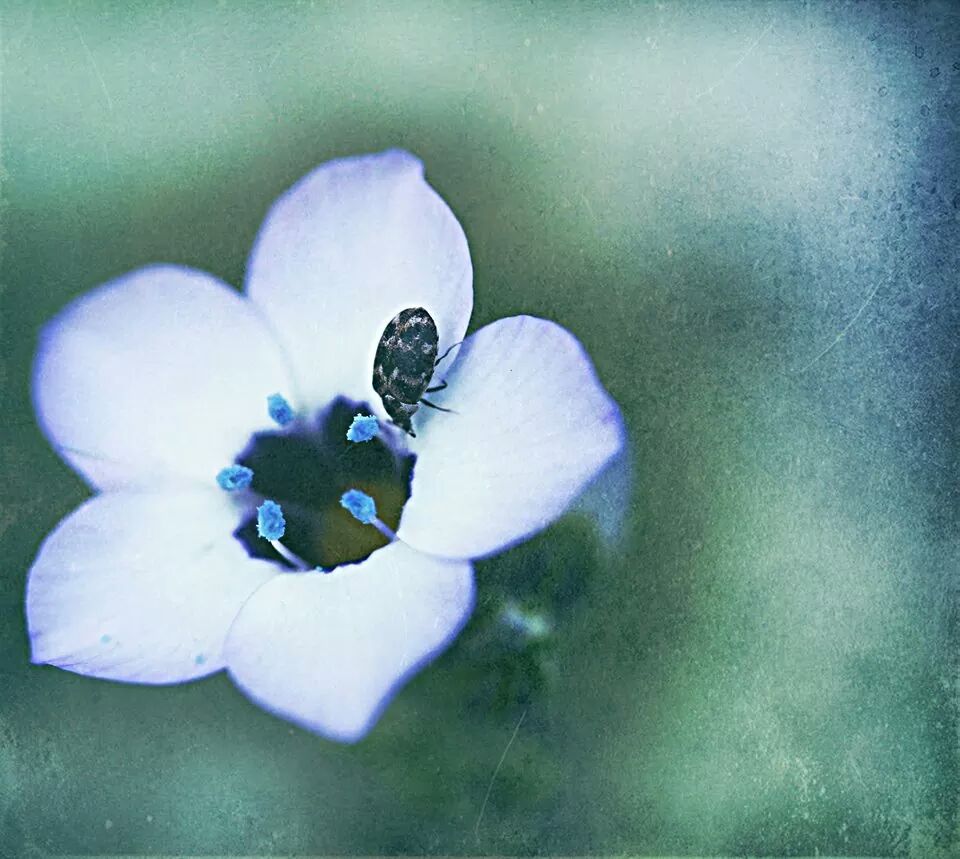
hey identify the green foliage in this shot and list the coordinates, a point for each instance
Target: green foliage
(747, 213)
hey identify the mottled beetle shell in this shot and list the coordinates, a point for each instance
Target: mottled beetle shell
(403, 366)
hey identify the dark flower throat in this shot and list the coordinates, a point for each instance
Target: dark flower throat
(305, 468)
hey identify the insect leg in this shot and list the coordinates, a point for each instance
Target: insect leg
(432, 406)
(444, 355)
(435, 388)
(409, 432)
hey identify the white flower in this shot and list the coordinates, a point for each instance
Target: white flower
(152, 384)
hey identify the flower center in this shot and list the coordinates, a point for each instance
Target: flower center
(305, 468)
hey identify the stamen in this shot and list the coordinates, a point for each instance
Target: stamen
(280, 410)
(360, 505)
(296, 560)
(271, 526)
(383, 528)
(363, 428)
(270, 522)
(364, 509)
(235, 477)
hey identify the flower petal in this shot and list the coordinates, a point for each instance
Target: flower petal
(341, 253)
(327, 651)
(532, 427)
(159, 375)
(141, 587)
(606, 501)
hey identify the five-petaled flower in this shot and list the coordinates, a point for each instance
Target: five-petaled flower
(187, 407)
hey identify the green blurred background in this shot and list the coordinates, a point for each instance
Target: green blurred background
(748, 213)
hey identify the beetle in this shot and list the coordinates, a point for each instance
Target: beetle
(404, 363)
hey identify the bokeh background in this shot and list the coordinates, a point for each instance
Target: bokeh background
(748, 212)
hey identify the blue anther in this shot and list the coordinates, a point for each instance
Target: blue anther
(235, 477)
(363, 428)
(279, 409)
(360, 505)
(270, 521)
